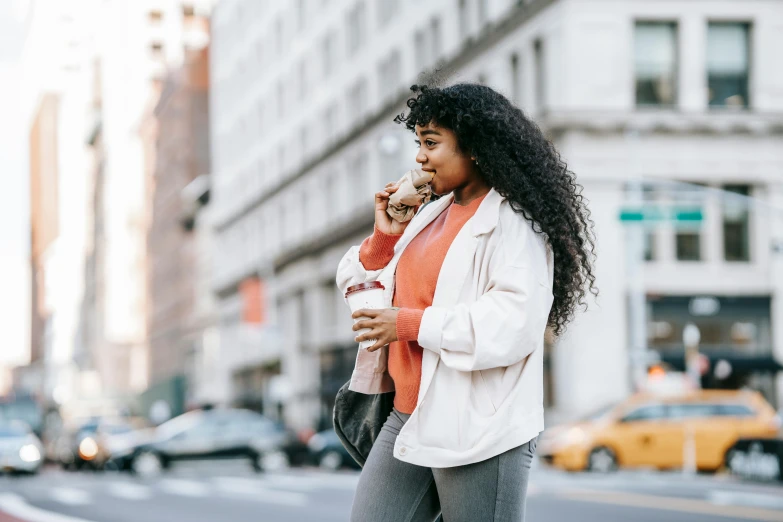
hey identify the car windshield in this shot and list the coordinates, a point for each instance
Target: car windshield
(90, 427)
(12, 431)
(178, 425)
(116, 429)
(23, 410)
(600, 413)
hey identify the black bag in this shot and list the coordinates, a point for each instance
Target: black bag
(358, 419)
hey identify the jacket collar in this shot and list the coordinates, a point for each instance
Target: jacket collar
(487, 215)
(483, 221)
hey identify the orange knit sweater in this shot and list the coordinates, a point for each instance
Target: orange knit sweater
(415, 282)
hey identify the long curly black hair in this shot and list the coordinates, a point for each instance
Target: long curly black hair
(515, 158)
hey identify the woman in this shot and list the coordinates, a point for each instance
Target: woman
(472, 282)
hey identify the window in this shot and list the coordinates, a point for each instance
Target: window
(329, 59)
(387, 10)
(302, 79)
(389, 74)
(691, 411)
(515, 80)
(734, 410)
(464, 18)
(688, 236)
(655, 55)
(188, 11)
(736, 217)
(435, 45)
(688, 246)
(360, 177)
(156, 16)
(357, 99)
(331, 123)
(728, 57)
(304, 137)
(334, 192)
(540, 80)
(426, 44)
(482, 12)
(279, 36)
(301, 14)
(280, 99)
(646, 413)
(356, 27)
(420, 49)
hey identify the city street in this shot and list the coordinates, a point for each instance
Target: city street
(236, 494)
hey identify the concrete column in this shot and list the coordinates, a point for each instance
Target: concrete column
(594, 346)
(692, 51)
(776, 280)
(712, 229)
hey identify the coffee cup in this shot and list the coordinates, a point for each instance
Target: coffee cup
(365, 295)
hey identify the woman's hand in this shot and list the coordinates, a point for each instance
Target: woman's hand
(383, 325)
(383, 221)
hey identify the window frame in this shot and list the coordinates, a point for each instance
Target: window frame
(675, 80)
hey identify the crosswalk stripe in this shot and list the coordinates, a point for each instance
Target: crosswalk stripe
(70, 496)
(187, 488)
(257, 491)
(16, 506)
(296, 481)
(129, 491)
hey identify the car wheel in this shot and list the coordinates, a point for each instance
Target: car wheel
(330, 460)
(272, 461)
(147, 464)
(731, 461)
(602, 460)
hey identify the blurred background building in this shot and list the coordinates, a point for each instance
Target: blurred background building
(197, 171)
(658, 107)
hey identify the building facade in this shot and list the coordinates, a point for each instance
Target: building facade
(669, 106)
(181, 155)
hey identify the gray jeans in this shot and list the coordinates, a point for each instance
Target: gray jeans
(390, 490)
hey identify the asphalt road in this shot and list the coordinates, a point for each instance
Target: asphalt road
(229, 492)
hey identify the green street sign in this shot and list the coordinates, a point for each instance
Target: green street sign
(653, 213)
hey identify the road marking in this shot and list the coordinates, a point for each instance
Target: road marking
(186, 488)
(129, 491)
(70, 496)
(743, 498)
(671, 504)
(315, 480)
(256, 490)
(16, 506)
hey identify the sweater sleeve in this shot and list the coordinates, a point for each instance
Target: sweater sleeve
(378, 249)
(408, 323)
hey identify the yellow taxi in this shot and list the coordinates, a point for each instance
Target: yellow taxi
(661, 431)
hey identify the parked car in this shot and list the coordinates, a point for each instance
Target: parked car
(211, 435)
(21, 450)
(23, 408)
(327, 452)
(89, 444)
(652, 431)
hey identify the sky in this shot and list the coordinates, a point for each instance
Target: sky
(14, 236)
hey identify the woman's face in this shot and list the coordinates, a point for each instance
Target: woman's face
(440, 154)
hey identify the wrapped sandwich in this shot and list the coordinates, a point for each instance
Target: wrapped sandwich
(413, 191)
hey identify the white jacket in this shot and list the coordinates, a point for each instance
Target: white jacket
(481, 390)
